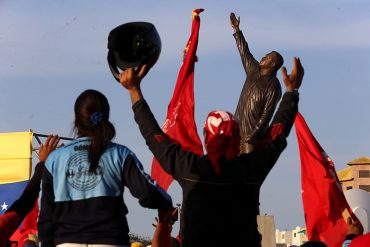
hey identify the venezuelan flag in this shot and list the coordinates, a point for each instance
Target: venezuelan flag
(15, 166)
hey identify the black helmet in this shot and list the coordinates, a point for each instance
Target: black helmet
(132, 45)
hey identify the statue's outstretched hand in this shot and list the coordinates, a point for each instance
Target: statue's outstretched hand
(294, 79)
(234, 22)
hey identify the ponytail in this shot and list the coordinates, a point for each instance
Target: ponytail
(100, 140)
(92, 120)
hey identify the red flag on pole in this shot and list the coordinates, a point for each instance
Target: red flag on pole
(325, 207)
(180, 124)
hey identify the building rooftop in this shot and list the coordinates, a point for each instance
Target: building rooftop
(360, 161)
(345, 174)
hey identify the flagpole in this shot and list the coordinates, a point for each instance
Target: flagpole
(42, 135)
(36, 135)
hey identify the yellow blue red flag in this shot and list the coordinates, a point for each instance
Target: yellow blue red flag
(15, 166)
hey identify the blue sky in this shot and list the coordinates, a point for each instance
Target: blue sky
(53, 50)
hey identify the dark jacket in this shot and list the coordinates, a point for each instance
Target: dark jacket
(217, 208)
(258, 98)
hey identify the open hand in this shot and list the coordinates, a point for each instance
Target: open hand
(294, 79)
(131, 79)
(234, 22)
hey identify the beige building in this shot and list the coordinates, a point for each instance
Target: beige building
(294, 237)
(266, 227)
(357, 175)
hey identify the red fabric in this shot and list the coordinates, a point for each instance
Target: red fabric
(8, 224)
(275, 130)
(271, 134)
(29, 226)
(180, 124)
(322, 195)
(223, 138)
(361, 241)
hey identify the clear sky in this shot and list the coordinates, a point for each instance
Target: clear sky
(50, 51)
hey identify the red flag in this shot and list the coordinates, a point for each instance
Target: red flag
(180, 124)
(28, 226)
(325, 206)
(8, 224)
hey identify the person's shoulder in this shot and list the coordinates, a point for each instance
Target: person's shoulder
(79, 144)
(118, 146)
(120, 149)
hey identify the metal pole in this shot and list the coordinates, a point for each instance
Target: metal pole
(42, 135)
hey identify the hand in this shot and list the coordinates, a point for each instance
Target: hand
(163, 228)
(49, 146)
(354, 228)
(131, 79)
(170, 215)
(234, 22)
(294, 80)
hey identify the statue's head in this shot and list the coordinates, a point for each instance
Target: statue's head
(272, 62)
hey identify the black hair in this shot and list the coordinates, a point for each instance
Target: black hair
(92, 120)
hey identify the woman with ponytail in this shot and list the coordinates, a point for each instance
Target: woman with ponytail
(83, 183)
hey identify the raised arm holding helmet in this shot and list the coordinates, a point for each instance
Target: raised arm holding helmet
(217, 203)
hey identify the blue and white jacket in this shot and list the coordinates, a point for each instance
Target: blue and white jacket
(78, 207)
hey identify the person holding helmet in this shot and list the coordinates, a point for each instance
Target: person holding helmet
(220, 189)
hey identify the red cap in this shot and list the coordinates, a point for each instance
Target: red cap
(222, 137)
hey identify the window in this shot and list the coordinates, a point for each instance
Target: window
(282, 236)
(294, 234)
(364, 173)
(365, 187)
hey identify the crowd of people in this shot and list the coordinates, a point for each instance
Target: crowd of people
(82, 183)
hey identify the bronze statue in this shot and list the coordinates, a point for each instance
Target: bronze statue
(261, 91)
